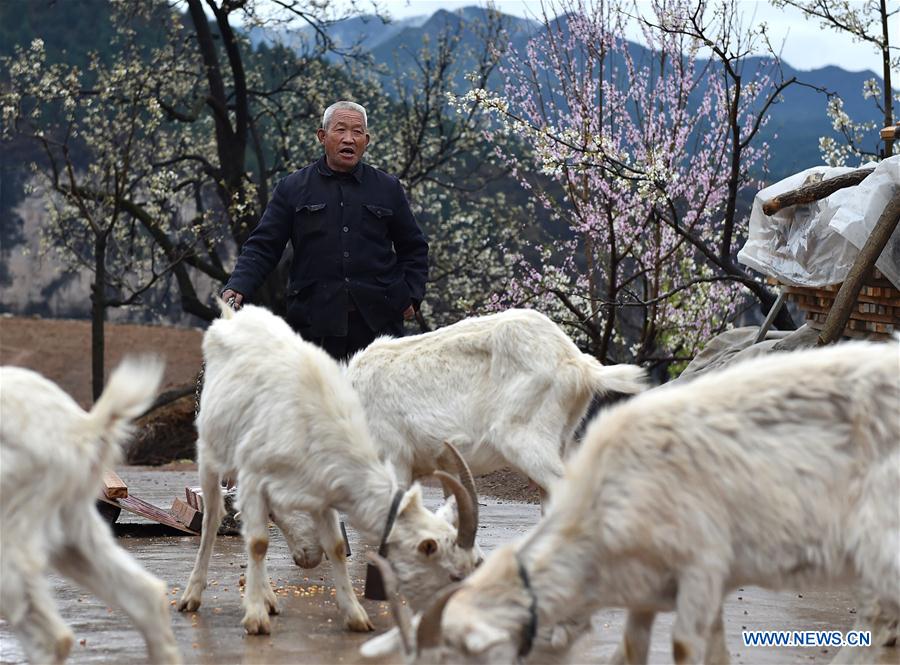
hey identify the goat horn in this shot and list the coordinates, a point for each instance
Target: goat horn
(402, 617)
(468, 515)
(465, 476)
(429, 634)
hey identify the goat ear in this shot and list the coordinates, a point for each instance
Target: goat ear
(449, 512)
(428, 546)
(481, 637)
(412, 499)
(385, 644)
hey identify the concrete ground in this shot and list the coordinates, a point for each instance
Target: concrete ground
(308, 629)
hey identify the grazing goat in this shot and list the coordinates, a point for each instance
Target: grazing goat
(277, 414)
(52, 456)
(782, 472)
(507, 389)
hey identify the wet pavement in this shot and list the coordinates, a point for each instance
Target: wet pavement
(309, 630)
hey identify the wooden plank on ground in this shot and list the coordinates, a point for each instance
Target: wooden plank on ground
(113, 486)
(147, 510)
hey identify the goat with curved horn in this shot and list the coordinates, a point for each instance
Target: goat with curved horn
(466, 507)
(465, 475)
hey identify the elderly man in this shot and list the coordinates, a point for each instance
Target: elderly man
(360, 260)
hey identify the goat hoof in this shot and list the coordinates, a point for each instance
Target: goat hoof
(360, 624)
(187, 604)
(256, 624)
(271, 601)
(62, 647)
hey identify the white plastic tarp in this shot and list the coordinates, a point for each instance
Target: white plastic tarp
(815, 244)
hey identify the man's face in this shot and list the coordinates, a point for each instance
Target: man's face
(345, 140)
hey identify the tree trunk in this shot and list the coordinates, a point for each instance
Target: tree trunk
(98, 315)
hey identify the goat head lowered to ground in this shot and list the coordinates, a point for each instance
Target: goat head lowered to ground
(781, 472)
(507, 389)
(277, 414)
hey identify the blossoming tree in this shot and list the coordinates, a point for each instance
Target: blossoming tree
(639, 157)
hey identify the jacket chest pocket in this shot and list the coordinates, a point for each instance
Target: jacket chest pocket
(376, 219)
(310, 219)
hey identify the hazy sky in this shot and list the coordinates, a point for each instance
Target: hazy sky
(806, 44)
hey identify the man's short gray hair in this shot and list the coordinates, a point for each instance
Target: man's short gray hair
(347, 106)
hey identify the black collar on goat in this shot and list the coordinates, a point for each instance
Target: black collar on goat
(530, 629)
(374, 589)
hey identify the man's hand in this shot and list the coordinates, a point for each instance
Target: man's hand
(233, 298)
(409, 313)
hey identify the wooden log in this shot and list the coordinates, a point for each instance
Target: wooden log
(190, 517)
(113, 486)
(815, 191)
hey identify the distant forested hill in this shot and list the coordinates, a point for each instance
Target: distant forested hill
(70, 28)
(796, 122)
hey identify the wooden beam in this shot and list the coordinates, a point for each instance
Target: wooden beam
(190, 517)
(113, 486)
(194, 497)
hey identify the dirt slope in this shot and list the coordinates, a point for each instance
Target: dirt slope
(60, 349)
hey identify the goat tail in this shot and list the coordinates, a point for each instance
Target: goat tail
(130, 391)
(628, 379)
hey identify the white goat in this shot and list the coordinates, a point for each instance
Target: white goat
(277, 414)
(782, 472)
(52, 456)
(507, 389)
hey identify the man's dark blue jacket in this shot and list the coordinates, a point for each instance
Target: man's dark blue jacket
(355, 241)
